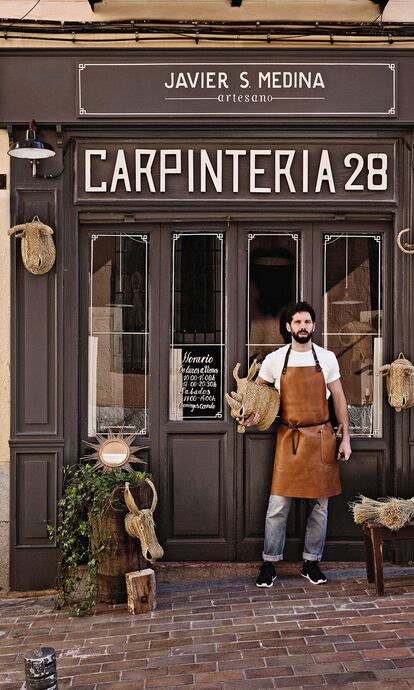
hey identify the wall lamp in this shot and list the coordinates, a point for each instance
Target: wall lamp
(31, 148)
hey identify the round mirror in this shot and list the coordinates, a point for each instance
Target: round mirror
(114, 452)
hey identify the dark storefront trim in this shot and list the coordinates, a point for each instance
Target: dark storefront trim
(49, 355)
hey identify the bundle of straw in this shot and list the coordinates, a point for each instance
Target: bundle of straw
(396, 513)
(365, 509)
(391, 512)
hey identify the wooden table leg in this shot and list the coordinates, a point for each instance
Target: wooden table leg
(369, 556)
(376, 540)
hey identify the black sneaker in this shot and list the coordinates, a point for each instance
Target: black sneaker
(266, 576)
(312, 571)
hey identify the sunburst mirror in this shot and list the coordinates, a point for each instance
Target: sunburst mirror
(114, 451)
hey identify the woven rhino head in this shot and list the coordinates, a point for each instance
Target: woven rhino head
(252, 397)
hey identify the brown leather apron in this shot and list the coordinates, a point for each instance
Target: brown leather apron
(305, 463)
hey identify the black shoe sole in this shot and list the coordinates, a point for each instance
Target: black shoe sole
(320, 582)
(264, 583)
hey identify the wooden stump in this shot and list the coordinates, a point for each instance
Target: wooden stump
(123, 553)
(141, 591)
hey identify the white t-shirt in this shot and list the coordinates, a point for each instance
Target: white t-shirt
(272, 365)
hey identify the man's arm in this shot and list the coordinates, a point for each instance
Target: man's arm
(263, 382)
(341, 411)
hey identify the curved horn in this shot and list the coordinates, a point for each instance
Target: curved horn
(383, 370)
(129, 500)
(233, 403)
(155, 495)
(236, 372)
(18, 228)
(406, 248)
(252, 370)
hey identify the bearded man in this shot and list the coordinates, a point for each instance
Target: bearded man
(306, 461)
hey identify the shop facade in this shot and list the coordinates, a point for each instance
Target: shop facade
(194, 195)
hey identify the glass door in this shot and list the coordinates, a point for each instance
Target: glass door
(340, 269)
(118, 333)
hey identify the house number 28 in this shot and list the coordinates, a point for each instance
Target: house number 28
(376, 171)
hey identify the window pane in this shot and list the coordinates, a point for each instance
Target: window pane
(353, 323)
(118, 334)
(197, 344)
(273, 270)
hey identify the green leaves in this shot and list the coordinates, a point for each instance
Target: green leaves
(87, 493)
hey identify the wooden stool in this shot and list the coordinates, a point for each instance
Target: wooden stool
(374, 535)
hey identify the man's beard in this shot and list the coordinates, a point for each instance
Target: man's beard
(301, 339)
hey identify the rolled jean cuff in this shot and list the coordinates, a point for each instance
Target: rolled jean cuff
(268, 557)
(311, 557)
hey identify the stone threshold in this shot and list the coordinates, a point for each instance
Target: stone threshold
(182, 571)
(173, 571)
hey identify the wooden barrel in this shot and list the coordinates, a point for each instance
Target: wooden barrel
(123, 553)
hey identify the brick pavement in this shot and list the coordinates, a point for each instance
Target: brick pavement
(227, 635)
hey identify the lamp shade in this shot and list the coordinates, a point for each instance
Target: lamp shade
(31, 148)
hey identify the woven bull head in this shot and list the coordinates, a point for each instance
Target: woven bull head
(38, 248)
(400, 382)
(140, 524)
(252, 397)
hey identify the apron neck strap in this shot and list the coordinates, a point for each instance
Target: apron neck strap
(285, 363)
(315, 357)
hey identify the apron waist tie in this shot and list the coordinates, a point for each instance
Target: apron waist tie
(295, 431)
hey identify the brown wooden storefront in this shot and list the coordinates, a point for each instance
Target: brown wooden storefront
(183, 227)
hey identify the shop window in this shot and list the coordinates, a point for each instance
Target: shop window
(273, 270)
(197, 329)
(353, 323)
(118, 334)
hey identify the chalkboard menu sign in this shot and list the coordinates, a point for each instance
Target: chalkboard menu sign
(200, 370)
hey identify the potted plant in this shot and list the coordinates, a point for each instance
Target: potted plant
(90, 529)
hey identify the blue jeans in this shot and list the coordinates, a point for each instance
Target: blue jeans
(275, 528)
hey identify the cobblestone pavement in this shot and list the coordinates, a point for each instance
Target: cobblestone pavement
(227, 635)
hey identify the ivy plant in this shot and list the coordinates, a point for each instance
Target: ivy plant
(87, 494)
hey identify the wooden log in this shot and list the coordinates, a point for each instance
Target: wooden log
(141, 591)
(123, 553)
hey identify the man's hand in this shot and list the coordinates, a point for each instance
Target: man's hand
(252, 420)
(344, 450)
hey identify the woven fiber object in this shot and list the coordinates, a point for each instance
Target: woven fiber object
(140, 524)
(393, 513)
(253, 397)
(400, 382)
(38, 248)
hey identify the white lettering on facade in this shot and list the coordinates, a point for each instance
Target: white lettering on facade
(215, 175)
(325, 173)
(305, 171)
(197, 80)
(285, 171)
(244, 82)
(235, 154)
(141, 170)
(255, 171)
(291, 80)
(120, 172)
(164, 170)
(100, 153)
